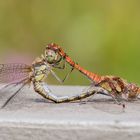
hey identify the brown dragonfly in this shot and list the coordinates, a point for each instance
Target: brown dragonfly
(21, 74)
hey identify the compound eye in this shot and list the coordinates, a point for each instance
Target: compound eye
(50, 56)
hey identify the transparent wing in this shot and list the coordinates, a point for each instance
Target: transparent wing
(13, 72)
(12, 75)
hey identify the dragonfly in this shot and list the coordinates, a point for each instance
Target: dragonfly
(14, 74)
(114, 86)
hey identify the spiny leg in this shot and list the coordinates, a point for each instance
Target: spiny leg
(9, 99)
(117, 99)
(68, 74)
(57, 78)
(62, 67)
(115, 96)
(113, 92)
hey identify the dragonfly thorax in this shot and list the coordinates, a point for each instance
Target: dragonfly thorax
(41, 71)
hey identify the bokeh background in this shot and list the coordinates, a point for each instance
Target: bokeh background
(103, 36)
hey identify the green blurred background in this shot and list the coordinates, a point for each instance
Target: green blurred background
(101, 35)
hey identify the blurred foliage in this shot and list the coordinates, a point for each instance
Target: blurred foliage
(101, 35)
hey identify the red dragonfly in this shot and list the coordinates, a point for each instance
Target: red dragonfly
(116, 87)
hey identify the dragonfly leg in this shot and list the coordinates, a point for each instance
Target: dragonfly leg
(115, 97)
(46, 93)
(60, 67)
(117, 100)
(61, 81)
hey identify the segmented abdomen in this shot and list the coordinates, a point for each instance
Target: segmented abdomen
(92, 76)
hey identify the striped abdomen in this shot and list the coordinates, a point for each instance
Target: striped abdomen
(92, 76)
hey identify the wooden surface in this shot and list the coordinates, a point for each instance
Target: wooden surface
(28, 116)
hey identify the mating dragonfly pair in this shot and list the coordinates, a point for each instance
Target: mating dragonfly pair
(115, 87)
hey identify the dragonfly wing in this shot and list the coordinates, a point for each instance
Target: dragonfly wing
(13, 72)
(12, 75)
(23, 83)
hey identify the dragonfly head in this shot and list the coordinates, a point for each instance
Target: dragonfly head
(52, 55)
(133, 91)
